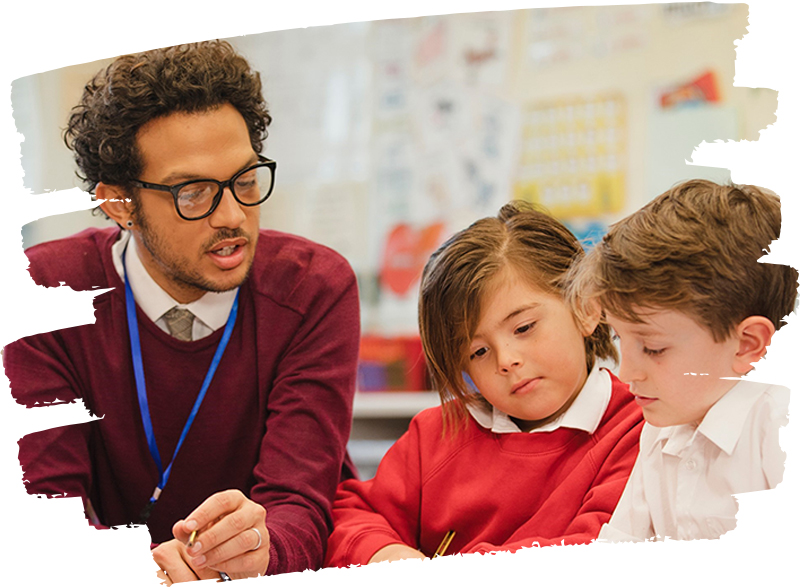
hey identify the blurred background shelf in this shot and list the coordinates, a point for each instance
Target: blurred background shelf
(379, 418)
(370, 405)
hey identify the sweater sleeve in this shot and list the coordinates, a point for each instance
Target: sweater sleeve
(308, 425)
(382, 511)
(55, 462)
(599, 503)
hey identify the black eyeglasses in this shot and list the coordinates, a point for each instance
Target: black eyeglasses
(197, 199)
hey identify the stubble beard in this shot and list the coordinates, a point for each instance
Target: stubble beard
(176, 268)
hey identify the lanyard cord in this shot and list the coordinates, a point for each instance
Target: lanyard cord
(141, 391)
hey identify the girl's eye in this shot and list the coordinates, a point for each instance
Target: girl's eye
(654, 352)
(525, 328)
(479, 353)
(614, 337)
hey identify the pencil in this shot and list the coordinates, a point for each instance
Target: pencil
(223, 577)
(444, 544)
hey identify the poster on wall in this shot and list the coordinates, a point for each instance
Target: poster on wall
(684, 113)
(573, 155)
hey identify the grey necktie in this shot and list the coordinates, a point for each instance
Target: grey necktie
(179, 322)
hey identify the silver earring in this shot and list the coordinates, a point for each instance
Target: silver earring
(129, 224)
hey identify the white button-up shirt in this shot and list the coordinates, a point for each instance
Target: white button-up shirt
(684, 479)
(210, 310)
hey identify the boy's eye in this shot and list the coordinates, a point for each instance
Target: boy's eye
(478, 353)
(654, 352)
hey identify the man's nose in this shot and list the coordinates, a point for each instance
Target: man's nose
(229, 213)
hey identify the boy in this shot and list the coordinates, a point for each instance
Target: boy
(693, 308)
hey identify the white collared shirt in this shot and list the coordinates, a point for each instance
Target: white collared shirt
(585, 413)
(210, 311)
(683, 481)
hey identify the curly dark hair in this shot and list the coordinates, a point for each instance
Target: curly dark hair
(138, 88)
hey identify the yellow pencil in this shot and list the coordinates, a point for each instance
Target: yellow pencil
(192, 538)
(444, 544)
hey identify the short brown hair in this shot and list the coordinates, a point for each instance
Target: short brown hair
(454, 282)
(694, 249)
(136, 89)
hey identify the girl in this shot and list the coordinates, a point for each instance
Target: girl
(533, 443)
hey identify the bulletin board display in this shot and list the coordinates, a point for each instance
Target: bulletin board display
(573, 155)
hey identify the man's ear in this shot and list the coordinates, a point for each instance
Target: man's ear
(114, 203)
(590, 316)
(754, 335)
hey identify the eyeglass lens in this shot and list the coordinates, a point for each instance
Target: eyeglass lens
(252, 187)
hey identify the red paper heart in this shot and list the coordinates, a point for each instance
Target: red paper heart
(406, 252)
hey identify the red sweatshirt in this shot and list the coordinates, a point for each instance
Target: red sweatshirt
(496, 491)
(274, 423)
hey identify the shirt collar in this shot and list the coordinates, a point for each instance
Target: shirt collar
(585, 413)
(212, 308)
(723, 423)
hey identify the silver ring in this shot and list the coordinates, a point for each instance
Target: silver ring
(259, 538)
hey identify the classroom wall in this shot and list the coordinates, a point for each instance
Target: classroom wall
(391, 135)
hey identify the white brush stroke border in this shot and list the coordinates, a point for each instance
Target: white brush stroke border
(46, 542)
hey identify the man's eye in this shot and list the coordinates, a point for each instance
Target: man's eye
(246, 182)
(196, 192)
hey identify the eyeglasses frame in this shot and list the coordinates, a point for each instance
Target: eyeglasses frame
(176, 188)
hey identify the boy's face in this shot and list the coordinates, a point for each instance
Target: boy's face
(673, 365)
(527, 357)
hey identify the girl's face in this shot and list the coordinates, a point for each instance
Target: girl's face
(527, 357)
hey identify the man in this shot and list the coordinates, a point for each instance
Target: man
(223, 358)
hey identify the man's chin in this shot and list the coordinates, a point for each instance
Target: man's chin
(230, 280)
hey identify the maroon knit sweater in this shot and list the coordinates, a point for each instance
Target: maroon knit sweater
(275, 420)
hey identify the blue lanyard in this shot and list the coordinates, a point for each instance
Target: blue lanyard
(141, 391)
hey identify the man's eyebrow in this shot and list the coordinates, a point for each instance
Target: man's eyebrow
(179, 177)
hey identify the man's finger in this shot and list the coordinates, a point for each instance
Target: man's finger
(226, 529)
(214, 507)
(250, 540)
(178, 571)
(250, 564)
(173, 560)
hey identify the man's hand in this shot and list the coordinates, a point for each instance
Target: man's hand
(232, 536)
(396, 552)
(173, 560)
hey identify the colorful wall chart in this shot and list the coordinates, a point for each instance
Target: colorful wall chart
(572, 156)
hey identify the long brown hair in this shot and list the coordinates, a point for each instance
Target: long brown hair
(454, 283)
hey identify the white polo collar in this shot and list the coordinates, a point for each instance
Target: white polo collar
(723, 423)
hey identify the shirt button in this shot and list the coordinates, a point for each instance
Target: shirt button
(691, 464)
